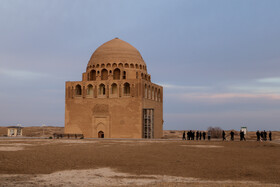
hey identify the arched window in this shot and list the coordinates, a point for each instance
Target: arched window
(131, 65)
(78, 89)
(142, 76)
(159, 95)
(124, 75)
(153, 93)
(90, 90)
(149, 92)
(136, 66)
(120, 65)
(117, 74)
(126, 89)
(156, 94)
(140, 66)
(92, 75)
(146, 91)
(102, 65)
(102, 90)
(114, 65)
(126, 65)
(114, 89)
(104, 74)
(97, 66)
(108, 65)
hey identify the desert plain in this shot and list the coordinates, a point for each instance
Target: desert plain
(37, 161)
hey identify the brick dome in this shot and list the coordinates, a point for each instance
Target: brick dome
(116, 51)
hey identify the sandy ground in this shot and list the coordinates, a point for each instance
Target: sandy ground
(110, 177)
(43, 162)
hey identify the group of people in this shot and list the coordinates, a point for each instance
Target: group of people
(191, 135)
(262, 136)
(198, 135)
(241, 134)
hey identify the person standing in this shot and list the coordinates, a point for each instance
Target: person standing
(258, 135)
(224, 136)
(184, 136)
(265, 135)
(200, 134)
(232, 136)
(270, 135)
(193, 134)
(197, 135)
(204, 134)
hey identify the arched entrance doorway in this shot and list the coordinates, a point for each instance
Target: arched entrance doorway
(100, 134)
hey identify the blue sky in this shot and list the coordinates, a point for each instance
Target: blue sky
(218, 60)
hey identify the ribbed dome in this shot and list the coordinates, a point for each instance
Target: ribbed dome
(115, 51)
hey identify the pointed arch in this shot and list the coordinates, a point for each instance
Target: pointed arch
(153, 93)
(126, 89)
(92, 75)
(117, 74)
(102, 89)
(90, 90)
(124, 74)
(104, 74)
(149, 92)
(146, 91)
(159, 96)
(78, 89)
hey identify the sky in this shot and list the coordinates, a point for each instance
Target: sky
(218, 60)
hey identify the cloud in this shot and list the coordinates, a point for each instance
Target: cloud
(221, 97)
(256, 89)
(21, 74)
(182, 87)
(275, 80)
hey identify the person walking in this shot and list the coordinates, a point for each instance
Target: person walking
(224, 136)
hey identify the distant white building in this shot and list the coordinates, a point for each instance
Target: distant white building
(15, 131)
(244, 129)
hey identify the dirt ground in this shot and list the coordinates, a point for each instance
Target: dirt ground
(95, 162)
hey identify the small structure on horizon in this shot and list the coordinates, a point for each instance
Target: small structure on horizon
(244, 129)
(15, 131)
